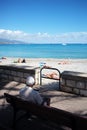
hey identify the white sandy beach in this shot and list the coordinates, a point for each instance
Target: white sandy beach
(77, 65)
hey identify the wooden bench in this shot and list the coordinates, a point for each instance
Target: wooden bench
(4, 127)
(57, 116)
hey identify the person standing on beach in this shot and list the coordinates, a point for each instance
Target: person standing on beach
(29, 94)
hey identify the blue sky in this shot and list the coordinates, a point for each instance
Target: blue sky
(44, 21)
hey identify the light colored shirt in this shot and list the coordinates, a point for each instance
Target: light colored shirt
(31, 95)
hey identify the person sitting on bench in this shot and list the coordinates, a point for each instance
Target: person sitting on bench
(29, 94)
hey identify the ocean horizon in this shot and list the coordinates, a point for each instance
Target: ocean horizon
(60, 51)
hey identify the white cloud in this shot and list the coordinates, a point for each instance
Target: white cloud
(72, 37)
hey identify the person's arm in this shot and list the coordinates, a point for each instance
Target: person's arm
(38, 98)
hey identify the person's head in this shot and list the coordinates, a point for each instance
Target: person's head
(30, 81)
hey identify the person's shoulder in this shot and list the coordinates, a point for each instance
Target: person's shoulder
(22, 89)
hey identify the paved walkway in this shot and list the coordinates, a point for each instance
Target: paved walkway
(61, 100)
(65, 101)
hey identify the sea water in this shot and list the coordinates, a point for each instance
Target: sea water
(73, 51)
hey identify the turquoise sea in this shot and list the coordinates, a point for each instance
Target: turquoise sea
(73, 51)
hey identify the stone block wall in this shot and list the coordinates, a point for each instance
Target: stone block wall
(74, 82)
(18, 74)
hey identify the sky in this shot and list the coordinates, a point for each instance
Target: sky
(44, 21)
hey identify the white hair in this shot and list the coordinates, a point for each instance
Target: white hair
(30, 81)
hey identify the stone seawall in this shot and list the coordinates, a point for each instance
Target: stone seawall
(74, 82)
(19, 74)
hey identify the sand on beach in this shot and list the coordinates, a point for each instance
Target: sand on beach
(77, 65)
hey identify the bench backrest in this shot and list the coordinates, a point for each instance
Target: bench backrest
(55, 115)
